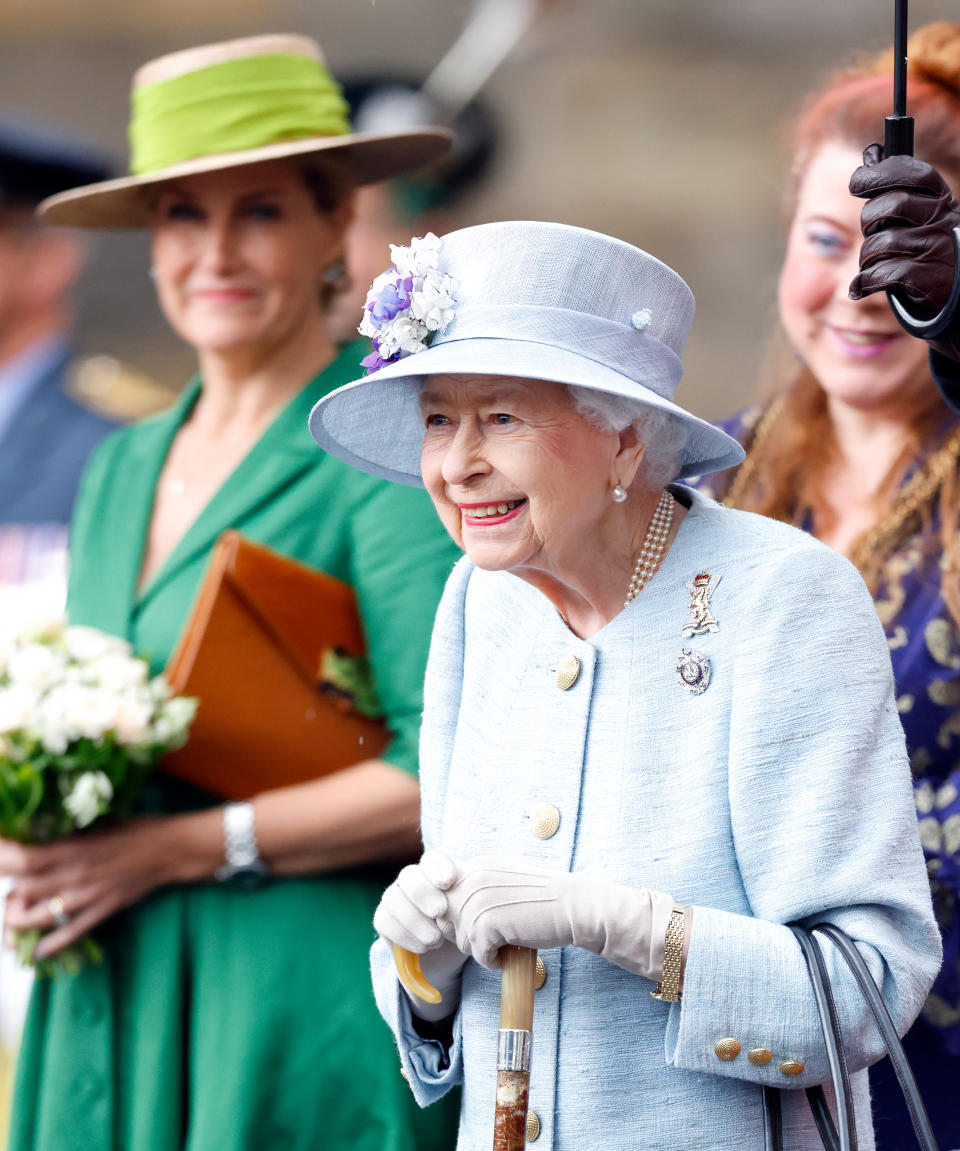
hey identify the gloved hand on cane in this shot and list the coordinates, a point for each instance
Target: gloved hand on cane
(909, 247)
(446, 912)
(407, 917)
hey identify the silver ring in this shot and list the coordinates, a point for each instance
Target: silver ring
(58, 911)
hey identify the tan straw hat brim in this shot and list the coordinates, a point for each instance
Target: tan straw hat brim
(126, 203)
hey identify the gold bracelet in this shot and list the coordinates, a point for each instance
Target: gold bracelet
(668, 989)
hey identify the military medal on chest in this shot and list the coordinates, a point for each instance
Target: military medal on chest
(693, 668)
(701, 589)
(693, 671)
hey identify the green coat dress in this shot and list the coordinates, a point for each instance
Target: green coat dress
(222, 1019)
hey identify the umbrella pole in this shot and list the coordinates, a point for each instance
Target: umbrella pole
(898, 141)
(518, 969)
(898, 128)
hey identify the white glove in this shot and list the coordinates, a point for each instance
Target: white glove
(407, 916)
(496, 901)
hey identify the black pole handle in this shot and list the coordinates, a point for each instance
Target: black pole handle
(938, 324)
(898, 141)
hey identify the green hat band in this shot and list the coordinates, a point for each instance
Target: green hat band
(231, 107)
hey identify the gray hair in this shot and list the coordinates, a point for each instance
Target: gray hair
(663, 437)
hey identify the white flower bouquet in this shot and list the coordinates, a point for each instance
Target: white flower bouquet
(82, 725)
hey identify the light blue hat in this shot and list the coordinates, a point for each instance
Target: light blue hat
(530, 300)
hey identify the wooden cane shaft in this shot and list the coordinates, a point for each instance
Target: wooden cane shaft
(510, 1121)
(518, 969)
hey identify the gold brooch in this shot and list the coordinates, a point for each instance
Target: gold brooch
(701, 588)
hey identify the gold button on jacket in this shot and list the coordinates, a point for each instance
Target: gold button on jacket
(790, 1067)
(727, 1049)
(568, 672)
(759, 1056)
(544, 821)
(540, 976)
(533, 1126)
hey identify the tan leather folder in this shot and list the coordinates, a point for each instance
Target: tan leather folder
(274, 652)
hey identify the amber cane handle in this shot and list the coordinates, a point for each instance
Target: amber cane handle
(412, 977)
(518, 967)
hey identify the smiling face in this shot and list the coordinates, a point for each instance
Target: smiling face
(520, 479)
(858, 352)
(239, 255)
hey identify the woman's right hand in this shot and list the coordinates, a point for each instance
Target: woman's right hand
(407, 917)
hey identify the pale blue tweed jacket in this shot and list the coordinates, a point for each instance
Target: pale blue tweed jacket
(781, 793)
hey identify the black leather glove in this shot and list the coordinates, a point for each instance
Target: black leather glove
(908, 223)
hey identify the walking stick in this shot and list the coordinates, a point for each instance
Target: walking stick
(898, 141)
(518, 968)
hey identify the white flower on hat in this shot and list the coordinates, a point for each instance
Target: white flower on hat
(434, 305)
(408, 302)
(419, 257)
(402, 335)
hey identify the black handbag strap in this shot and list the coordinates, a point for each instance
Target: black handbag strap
(832, 1138)
(843, 1136)
(898, 1057)
(772, 1119)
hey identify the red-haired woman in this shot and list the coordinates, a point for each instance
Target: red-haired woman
(855, 444)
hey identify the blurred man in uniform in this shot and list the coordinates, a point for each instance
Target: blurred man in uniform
(45, 434)
(54, 406)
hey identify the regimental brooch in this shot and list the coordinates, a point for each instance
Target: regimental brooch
(693, 671)
(701, 588)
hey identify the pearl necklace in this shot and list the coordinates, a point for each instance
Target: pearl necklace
(651, 552)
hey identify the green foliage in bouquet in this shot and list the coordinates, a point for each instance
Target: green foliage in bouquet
(82, 725)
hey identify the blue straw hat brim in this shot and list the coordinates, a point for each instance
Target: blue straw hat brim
(375, 423)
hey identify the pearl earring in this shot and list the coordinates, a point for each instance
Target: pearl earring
(619, 494)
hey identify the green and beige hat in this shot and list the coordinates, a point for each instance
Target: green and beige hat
(238, 102)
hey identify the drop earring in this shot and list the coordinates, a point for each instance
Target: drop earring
(619, 494)
(335, 273)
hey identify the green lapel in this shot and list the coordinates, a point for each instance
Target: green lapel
(124, 518)
(282, 454)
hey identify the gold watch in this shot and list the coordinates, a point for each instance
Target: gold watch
(668, 989)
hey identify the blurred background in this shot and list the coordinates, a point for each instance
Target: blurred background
(656, 120)
(660, 121)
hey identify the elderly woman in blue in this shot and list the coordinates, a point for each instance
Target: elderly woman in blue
(645, 717)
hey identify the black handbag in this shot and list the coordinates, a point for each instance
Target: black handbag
(842, 1135)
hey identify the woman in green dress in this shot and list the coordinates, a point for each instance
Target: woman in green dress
(225, 1017)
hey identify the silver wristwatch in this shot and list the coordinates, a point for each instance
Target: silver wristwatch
(243, 863)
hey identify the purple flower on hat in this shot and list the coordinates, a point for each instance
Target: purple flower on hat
(390, 295)
(407, 303)
(373, 362)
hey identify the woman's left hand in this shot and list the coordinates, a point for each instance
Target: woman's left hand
(495, 902)
(92, 876)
